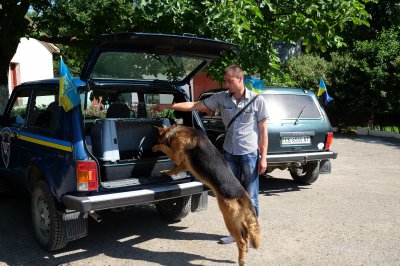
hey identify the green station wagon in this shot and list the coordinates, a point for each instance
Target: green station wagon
(299, 132)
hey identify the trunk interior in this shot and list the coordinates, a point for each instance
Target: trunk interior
(122, 139)
(123, 148)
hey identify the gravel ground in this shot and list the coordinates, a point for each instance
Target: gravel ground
(350, 217)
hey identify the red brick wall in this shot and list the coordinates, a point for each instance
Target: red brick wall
(202, 83)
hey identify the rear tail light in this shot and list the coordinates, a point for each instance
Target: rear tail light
(328, 141)
(87, 176)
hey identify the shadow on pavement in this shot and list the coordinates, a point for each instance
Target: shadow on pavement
(272, 186)
(119, 235)
(391, 142)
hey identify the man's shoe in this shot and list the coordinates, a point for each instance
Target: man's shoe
(226, 240)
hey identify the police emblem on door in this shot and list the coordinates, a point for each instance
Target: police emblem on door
(5, 145)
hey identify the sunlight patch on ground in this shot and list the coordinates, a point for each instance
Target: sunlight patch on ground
(67, 253)
(125, 239)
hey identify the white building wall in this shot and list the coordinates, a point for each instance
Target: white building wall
(35, 61)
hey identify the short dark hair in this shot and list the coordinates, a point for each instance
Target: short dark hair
(234, 70)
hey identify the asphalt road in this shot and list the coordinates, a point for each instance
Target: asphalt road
(350, 217)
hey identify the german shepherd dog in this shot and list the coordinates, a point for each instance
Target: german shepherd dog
(192, 151)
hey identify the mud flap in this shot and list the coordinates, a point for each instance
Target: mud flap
(76, 225)
(325, 167)
(199, 201)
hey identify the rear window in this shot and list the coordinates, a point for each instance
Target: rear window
(290, 106)
(142, 66)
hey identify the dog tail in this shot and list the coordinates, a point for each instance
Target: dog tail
(252, 225)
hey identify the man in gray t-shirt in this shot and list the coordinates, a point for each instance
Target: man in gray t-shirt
(246, 140)
(242, 137)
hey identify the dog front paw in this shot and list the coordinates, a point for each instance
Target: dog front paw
(156, 148)
(166, 172)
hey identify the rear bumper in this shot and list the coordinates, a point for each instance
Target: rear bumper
(121, 199)
(300, 157)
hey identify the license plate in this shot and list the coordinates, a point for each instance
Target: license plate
(296, 140)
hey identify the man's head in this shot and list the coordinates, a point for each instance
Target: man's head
(233, 78)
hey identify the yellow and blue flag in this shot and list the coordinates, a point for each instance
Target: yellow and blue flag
(253, 84)
(322, 91)
(68, 95)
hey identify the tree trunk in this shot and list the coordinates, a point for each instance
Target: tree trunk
(3, 98)
(7, 51)
(3, 85)
(13, 26)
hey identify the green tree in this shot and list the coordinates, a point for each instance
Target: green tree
(366, 78)
(385, 14)
(363, 80)
(253, 25)
(305, 71)
(13, 26)
(74, 24)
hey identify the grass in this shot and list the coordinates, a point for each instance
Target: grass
(353, 129)
(386, 128)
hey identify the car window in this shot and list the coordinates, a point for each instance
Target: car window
(19, 109)
(44, 111)
(151, 99)
(291, 106)
(143, 66)
(127, 105)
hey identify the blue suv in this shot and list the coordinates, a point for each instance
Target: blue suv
(98, 155)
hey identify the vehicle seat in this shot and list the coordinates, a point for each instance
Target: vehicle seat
(47, 119)
(52, 115)
(118, 110)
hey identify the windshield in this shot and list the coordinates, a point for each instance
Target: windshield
(289, 106)
(143, 66)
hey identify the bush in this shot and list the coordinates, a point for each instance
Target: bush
(364, 81)
(378, 62)
(306, 70)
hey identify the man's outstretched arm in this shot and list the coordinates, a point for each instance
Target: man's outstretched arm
(183, 106)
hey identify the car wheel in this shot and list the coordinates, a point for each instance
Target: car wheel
(174, 209)
(48, 225)
(307, 174)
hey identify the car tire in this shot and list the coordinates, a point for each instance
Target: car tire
(48, 225)
(174, 209)
(307, 174)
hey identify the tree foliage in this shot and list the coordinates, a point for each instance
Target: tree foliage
(305, 71)
(13, 26)
(253, 25)
(385, 14)
(364, 80)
